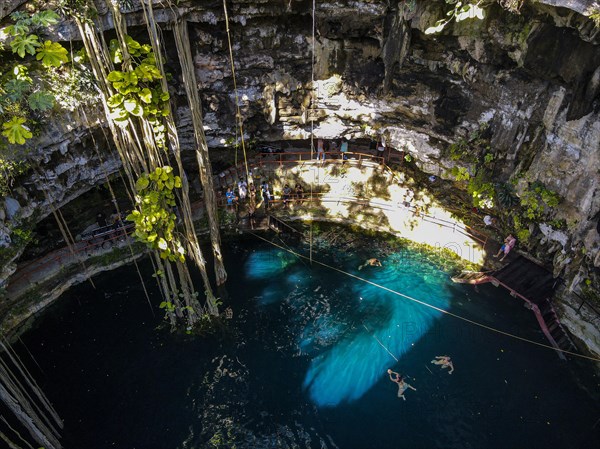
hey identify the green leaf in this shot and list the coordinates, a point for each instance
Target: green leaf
(162, 244)
(52, 54)
(21, 73)
(130, 104)
(141, 184)
(15, 88)
(148, 72)
(133, 107)
(132, 45)
(115, 101)
(15, 131)
(146, 95)
(41, 101)
(20, 16)
(22, 45)
(17, 29)
(177, 182)
(115, 75)
(45, 18)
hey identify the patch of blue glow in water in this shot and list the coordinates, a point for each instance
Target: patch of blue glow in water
(265, 265)
(340, 330)
(347, 370)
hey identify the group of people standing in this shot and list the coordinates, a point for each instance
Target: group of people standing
(246, 190)
(341, 146)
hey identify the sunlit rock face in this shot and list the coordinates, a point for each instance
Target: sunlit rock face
(533, 78)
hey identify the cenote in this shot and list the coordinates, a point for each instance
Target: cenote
(303, 361)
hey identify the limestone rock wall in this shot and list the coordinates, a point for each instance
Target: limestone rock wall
(533, 78)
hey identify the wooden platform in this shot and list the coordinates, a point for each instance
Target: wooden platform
(533, 284)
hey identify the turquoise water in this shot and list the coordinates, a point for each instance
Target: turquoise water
(303, 362)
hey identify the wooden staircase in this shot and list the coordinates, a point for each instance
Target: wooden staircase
(471, 277)
(534, 285)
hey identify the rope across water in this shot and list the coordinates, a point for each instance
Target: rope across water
(423, 303)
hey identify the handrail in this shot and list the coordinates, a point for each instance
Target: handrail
(78, 248)
(354, 157)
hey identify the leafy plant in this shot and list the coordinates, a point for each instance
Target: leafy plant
(154, 217)
(52, 54)
(505, 195)
(482, 192)
(593, 13)
(139, 92)
(20, 95)
(460, 173)
(15, 131)
(461, 11)
(537, 201)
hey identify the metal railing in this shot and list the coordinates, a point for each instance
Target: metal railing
(92, 241)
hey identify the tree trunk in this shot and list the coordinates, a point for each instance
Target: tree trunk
(180, 32)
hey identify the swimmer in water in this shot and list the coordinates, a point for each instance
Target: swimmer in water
(402, 385)
(372, 262)
(444, 361)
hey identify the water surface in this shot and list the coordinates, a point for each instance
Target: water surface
(303, 362)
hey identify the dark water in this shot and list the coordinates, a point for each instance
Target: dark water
(303, 363)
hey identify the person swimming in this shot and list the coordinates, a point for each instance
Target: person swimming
(372, 262)
(444, 361)
(402, 385)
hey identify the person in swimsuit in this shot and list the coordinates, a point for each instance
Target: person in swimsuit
(372, 262)
(444, 361)
(402, 385)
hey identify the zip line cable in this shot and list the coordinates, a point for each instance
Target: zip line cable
(423, 303)
(312, 116)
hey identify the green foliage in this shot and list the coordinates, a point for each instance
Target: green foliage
(139, 91)
(168, 306)
(461, 11)
(9, 169)
(23, 44)
(15, 131)
(505, 195)
(154, 218)
(537, 201)
(52, 54)
(41, 101)
(408, 157)
(17, 102)
(593, 13)
(460, 173)
(521, 232)
(482, 192)
(471, 148)
(15, 89)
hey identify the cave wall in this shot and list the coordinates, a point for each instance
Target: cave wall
(533, 78)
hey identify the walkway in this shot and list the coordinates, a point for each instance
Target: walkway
(533, 284)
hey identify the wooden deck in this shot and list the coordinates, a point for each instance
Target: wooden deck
(533, 284)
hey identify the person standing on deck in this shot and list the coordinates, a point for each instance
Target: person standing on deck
(320, 150)
(509, 242)
(344, 149)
